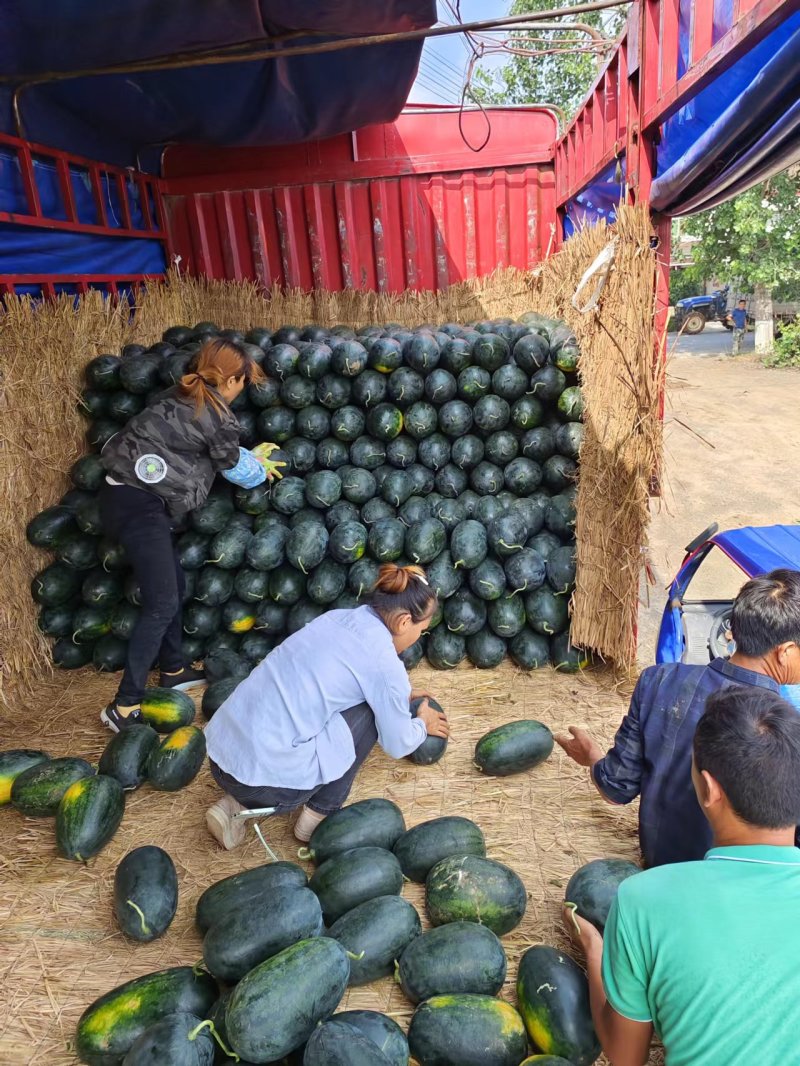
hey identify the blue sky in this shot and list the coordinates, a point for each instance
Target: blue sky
(444, 59)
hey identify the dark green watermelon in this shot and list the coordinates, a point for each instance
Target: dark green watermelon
(333, 391)
(369, 389)
(464, 613)
(501, 447)
(405, 387)
(348, 358)
(443, 577)
(444, 650)
(314, 360)
(326, 582)
(509, 382)
(385, 355)
(102, 373)
(401, 452)
(386, 539)
(548, 383)
(46, 529)
(421, 353)
(467, 452)
(421, 420)
(348, 423)
(367, 453)
(358, 485)
(455, 418)
(440, 386)
(486, 479)
(306, 546)
(529, 650)
(434, 451)
(522, 476)
(281, 359)
(485, 649)
(425, 540)
(263, 394)
(276, 425)
(488, 580)
(491, 351)
(473, 383)
(451, 481)
(298, 392)
(422, 479)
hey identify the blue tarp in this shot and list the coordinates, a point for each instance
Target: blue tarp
(597, 201)
(759, 549)
(127, 118)
(741, 129)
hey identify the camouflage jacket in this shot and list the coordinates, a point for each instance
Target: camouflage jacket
(173, 451)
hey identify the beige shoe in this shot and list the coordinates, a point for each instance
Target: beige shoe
(306, 823)
(228, 831)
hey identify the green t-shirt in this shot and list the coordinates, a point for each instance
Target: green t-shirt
(710, 953)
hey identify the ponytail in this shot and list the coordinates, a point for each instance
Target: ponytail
(401, 590)
(217, 361)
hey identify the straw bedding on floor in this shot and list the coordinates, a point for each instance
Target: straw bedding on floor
(60, 947)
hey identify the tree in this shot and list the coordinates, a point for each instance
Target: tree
(754, 241)
(562, 79)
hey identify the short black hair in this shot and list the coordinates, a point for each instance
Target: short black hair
(749, 741)
(766, 613)
(743, 301)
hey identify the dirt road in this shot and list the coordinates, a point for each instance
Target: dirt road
(731, 455)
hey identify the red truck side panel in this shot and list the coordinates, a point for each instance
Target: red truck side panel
(406, 205)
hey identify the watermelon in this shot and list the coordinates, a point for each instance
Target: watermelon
(486, 479)
(450, 511)
(524, 571)
(376, 932)
(57, 621)
(78, 550)
(109, 654)
(167, 709)
(126, 754)
(421, 353)
(405, 387)
(559, 472)
(565, 656)
(464, 613)
(88, 816)
(386, 539)
(354, 876)
(440, 386)
(229, 547)
(368, 389)
(255, 647)
(473, 383)
(381, 1030)
(236, 893)
(367, 453)
(101, 589)
(547, 612)
(37, 791)
(422, 479)
(491, 351)
(341, 512)
(86, 473)
(263, 394)
(102, 372)
(348, 423)
(488, 580)
(491, 413)
(455, 355)
(214, 586)
(145, 893)
(507, 534)
(306, 546)
(327, 582)
(425, 540)
(396, 487)
(531, 352)
(301, 614)
(110, 1026)
(140, 374)
(71, 656)
(475, 889)
(247, 936)
(434, 451)
(333, 391)
(485, 649)
(547, 384)
(385, 355)
(526, 413)
(455, 418)
(375, 823)
(297, 392)
(323, 489)
(112, 556)
(431, 749)
(593, 888)
(200, 621)
(451, 481)
(553, 998)
(442, 576)
(93, 403)
(276, 1007)
(212, 516)
(281, 360)
(467, 1030)
(90, 623)
(277, 424)
(15, 762)
(100, 432)
(467, 452)
(419, 849)
(506, 615)
(501, 447)
(450, 960)
(538, 444)
(513, 748)
(254, 501)
(529, 650)
(362, 576)
(180, 1039)
(561, 570)
(561, 516)
(177, 760)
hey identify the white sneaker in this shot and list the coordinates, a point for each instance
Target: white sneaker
(306, 823)
(228, 831)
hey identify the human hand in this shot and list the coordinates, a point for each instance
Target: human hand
(434, 721)
(580, 930)
(580, 746)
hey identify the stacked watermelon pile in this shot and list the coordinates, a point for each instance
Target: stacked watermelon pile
(455, 448)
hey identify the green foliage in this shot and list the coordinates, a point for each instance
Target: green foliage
(786, 351)
(753, 239)
(684, 282)
(562, 79)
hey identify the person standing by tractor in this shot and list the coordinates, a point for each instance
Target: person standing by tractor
(738, 316)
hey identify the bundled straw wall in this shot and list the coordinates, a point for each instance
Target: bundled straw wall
(43, 350)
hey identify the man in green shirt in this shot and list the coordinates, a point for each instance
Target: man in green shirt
(706, 953)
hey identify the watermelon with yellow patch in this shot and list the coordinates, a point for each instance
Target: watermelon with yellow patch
(110, 1026)
(553, 999)
(177, 759)
(12, 764)
(166, 709)
(457, 1028)
(238, 617)
(88, 816)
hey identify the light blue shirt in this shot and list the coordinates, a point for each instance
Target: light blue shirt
(791, 693)
(283, 725)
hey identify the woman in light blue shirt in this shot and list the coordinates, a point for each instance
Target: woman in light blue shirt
(295, 732)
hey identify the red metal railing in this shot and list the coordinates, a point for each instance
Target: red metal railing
(51, 284)
(102, 180)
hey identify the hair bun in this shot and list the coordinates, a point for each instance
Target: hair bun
(392, 579)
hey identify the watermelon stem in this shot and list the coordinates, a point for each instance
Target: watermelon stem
(396, 972)
(572, 907)
(267, 848)
(199, 969)
(208, 1024)
(355, 958)
(516, 591)
(305, 854)
(145, 927)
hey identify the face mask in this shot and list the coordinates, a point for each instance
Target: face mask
(791, 693)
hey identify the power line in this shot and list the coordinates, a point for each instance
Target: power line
(446, 79)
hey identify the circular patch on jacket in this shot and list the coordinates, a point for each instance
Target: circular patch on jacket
(151, 469)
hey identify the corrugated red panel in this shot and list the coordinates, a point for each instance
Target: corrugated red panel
(405, 205)
(387, 234)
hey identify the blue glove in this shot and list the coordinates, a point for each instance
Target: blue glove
(248, 472)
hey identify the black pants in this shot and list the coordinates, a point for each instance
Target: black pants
(324, 799)
(139, 521)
